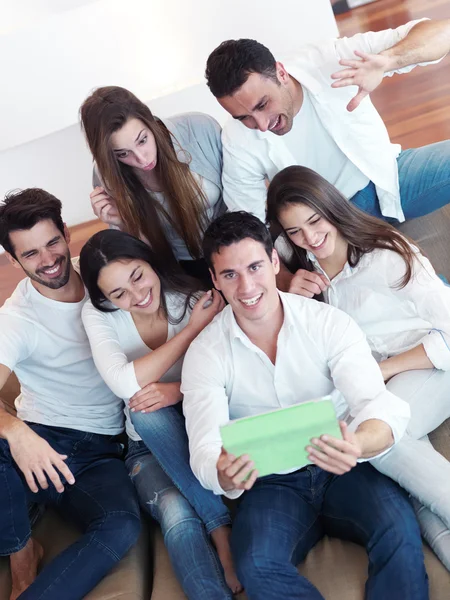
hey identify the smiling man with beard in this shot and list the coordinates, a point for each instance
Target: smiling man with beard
(62, 448)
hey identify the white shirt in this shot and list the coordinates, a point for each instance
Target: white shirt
(320, 351)
(116, 343)
(44, 342)
(251, 157)
(213, 209)
(395, 320)
(312, 146)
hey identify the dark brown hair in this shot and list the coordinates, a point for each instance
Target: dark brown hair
(110, 245)
(230, 64)
(362, 232)
(105, 112)
(231, 228)
(23, 209)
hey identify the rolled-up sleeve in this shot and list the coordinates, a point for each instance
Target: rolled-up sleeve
(357, 376)
(205, 407)
(111, 361)
(243, 178)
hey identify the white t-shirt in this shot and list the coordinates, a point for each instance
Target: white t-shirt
(116, 343)
(214, 207)
(44, 342)
(312, 146)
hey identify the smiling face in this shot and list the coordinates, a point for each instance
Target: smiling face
(262, 103)
(43, 253)
(134, 145)
(245, 275)
(131, 285)
(310, 231)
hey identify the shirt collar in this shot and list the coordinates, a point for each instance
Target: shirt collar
(288, 321)
(346, 271)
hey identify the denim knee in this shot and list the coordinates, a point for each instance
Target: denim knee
(118, 532)
(170, 508)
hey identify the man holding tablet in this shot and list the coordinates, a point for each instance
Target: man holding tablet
(269, 350)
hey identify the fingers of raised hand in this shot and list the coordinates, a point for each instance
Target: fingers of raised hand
(356, 101)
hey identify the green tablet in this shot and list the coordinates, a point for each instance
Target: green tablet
(276, 441)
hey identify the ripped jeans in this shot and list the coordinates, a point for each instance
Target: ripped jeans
(192, 555)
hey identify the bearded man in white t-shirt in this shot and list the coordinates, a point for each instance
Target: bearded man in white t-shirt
(305, 112)
(62, 449)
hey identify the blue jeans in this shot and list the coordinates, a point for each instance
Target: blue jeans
(102, 503)
(164, 433)
(283, 516)
(424, 177)
(193, 558)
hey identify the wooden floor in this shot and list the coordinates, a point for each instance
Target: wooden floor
(415, 106)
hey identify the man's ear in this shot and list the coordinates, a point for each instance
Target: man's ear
(15, 263)
(214, 280)
(275, 261)
(66, 234)
(282, 74)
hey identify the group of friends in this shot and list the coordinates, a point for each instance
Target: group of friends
(182, 315)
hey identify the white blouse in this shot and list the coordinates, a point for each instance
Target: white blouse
(395, 320)
(116, 343)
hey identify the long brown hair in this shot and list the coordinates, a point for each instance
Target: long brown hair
(105, 112)
(362, 232)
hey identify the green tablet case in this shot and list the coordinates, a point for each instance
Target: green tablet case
(276, 441)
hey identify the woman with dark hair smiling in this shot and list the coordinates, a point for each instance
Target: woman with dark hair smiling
(369, 270)
(159, 180)
(140, 321)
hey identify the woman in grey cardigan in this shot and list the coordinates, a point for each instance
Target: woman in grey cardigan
(158, 179)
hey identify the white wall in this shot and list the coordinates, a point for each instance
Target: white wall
(53, 53)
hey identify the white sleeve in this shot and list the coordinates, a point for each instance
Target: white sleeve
(205, 407)
(243, 180)
(374, 42)
(357, 376)
(111, 361)
(431, 299)
(17, 340)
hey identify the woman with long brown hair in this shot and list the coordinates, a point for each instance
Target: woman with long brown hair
(368, 269)
(157, 179)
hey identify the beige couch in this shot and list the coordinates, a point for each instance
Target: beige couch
(337, 568)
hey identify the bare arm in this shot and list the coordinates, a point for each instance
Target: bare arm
(126, 378)
(374, 436)
(416, 358)
(153, 366)
(33, 455)
(371, 438)
(426, 41)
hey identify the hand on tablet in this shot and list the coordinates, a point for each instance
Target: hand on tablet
(333, 455)
(235, 473)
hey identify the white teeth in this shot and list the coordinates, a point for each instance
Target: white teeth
(275, 124)
(145, 300)
(251, 301)
(319, 243)
(52, 271)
